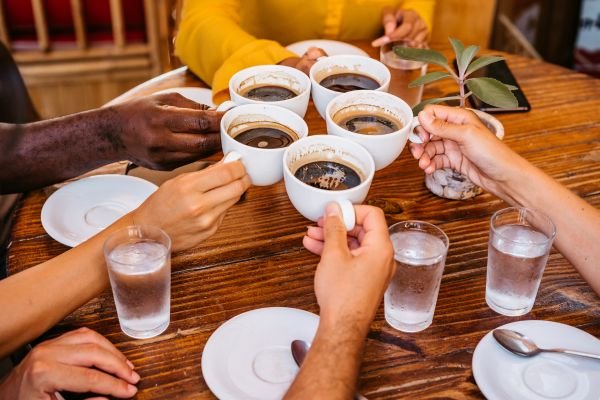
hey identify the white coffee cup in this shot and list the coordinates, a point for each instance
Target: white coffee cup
(311, 201)
(263, 165)
(340, 64)
(272, 75)
(384, 148)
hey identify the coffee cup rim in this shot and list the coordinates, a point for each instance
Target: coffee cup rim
(323, 60)
(399, 132)
(279, 109)
(315, 138)
(282, 68)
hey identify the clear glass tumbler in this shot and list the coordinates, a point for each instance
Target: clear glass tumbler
(403, 72)
(139, 267)
(520, 242)
(420, 252)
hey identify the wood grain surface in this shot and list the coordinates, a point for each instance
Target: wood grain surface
(256, 259)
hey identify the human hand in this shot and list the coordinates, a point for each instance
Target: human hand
(456, 138)
(305, 62)
(80, 361)
(165, 131)
(404, 25)
(191, 206)
(355, 266)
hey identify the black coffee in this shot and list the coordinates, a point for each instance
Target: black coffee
(348, 82)
(269, 93)
(368, 124)
(266, 136)
(328, 175)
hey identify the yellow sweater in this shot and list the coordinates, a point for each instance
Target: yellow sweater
(217, 38)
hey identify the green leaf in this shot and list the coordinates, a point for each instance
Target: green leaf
(466, 58)
(492, 92)
(419, 107)
(511, 87)
(457, 46)
(425, 79)
(482, 62)
(423, 55)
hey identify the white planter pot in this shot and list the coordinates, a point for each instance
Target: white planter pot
(453, 185)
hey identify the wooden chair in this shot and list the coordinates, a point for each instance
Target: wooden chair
(84, 73)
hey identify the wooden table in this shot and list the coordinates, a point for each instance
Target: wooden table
(256, 259)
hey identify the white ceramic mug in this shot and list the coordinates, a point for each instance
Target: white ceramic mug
(384, 148)
(311, 201)
(262, 165)
(271, 75)
(327, 66)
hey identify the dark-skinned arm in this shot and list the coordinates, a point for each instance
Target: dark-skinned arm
(158, 132)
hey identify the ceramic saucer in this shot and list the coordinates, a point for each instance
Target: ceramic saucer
(80, 209)
(199, 95)
(331, 47)
(502, 375)
(249, 356)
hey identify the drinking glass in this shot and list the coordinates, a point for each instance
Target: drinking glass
(139, 267)
(520, 242)
(403, 72)
(420, 252)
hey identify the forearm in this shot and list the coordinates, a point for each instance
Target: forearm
(330, 370)
(577, 222)
(41, 153)
(33, 301)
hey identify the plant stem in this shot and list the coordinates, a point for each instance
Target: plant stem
(461, 85)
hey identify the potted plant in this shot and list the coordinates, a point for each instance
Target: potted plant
(447, 182)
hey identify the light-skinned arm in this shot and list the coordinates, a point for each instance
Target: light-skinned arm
(190, 208)
(456, 138)
(350, 280)
(158, 132)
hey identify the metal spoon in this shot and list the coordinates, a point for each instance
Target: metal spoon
(300, 350)
(521, 345)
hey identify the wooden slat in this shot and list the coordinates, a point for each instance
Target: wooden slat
(79, 22)
(150, 13)
(118, 23)
(41, 26)
(4, 37)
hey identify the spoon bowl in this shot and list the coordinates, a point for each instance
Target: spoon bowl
(519, 344)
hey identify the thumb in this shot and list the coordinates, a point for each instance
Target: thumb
(334, 230)
(441, 127)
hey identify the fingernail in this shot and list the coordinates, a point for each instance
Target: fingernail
(333, 210)
(131, 389)
(130, 364)
(135, 376)
(425, 117)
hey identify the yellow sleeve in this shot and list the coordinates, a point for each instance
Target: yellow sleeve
(425, 9)
(213, 45)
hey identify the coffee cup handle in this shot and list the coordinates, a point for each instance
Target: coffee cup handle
(226, 106)
(231, 157)
(412, 136)
(348, 214)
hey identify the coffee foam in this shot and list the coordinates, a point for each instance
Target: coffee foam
(345, 69)
(244, 123)
(368, 109)
(322, 152)
(270, 79)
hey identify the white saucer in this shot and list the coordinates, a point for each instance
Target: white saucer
(502, 375)
(199, 95)
(81, 209)
(249, 356)
(331, 47)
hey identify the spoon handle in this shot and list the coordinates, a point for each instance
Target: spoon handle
(576, 353)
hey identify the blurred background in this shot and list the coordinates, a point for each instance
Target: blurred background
(78, 54)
